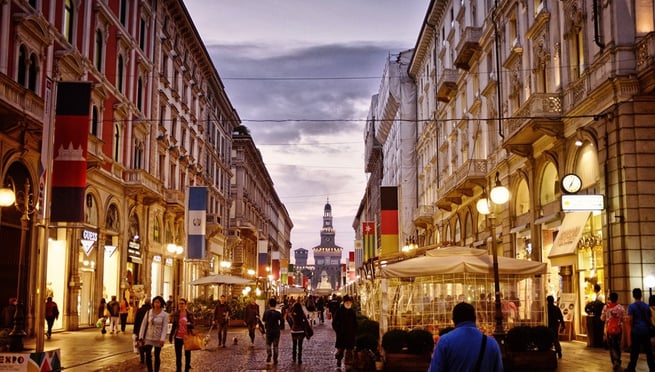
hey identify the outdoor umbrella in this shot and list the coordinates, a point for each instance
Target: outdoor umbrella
(220, 279)
(460, 260)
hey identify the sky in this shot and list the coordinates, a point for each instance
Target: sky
(301, 74)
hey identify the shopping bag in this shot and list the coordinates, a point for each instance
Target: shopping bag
(193, 342)
(100, 323)
(309, 332)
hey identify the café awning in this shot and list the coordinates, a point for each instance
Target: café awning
(566, 242)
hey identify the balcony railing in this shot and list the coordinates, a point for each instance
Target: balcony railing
(536, 118)
(468, 48)
(142, 182)
(447, 84)
(20, 99)
(461, 183)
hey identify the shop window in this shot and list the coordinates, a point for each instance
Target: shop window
(549, 185)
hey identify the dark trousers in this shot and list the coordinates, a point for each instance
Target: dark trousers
(558, 347)
(50, 320)
(272, 343)
(123, 321)
(251, 331)
(179, 345)
(297, 345)
(637, 343)
(148, 351)
(614, 345)
(222, 333)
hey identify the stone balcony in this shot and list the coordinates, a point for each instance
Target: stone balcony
(423, 215)
(141, 182)
(461, 183)
(447, 84)
(468, 49)
(539, 116)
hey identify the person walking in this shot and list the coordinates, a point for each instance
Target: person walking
(298, 322)
(613, 314)
(51, 313)
(221, 320)
(252, 319)
(555, 323)
(344, 323)
(138, 320)
(114, 312)
(153, 332)
(103, 315)
(465, 348)
(183, 322)
(124, 308)
(273, 322)
(639, 337)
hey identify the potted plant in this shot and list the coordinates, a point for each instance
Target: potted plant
(527, 347)
(407, 351)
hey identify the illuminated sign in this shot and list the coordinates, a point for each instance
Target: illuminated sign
(580, 203)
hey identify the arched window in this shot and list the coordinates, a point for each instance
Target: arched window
(94, 121)
(22, 66)
(119, 74)
(68, 20)
(458, 231)
(31, 82)
(549, 185)
(98, 54)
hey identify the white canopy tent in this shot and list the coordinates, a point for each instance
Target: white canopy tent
(454, 260)
(421, 291)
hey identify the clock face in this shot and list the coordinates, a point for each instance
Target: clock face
(571, 183)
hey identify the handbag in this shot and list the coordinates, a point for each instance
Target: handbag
(193, 342)
(309, 332)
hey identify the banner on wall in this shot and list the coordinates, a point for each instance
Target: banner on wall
(262, 258)
(196, 221)
(389, 220)
(70, 151)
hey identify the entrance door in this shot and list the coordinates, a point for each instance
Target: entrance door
(87, 309)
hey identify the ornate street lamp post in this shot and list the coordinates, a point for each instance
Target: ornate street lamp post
(499, 195)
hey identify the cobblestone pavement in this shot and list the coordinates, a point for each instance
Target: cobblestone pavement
(87, 350)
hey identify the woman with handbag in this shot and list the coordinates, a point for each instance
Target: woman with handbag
(153, 332)
(182, 321)
(298, 322)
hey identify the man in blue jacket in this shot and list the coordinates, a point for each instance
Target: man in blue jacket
(465, 348)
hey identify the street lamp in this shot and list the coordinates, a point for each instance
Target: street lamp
(499, 195)
(23, 201)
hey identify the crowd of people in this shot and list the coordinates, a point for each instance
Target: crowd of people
(463, 347)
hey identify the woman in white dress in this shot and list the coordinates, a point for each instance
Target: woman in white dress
(153, 332)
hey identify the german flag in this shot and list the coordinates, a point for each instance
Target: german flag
(389, 220)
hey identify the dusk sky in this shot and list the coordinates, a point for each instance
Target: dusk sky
(300, 74)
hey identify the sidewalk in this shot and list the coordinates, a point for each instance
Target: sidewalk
(89, 350)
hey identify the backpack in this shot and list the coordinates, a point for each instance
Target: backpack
(613, 326)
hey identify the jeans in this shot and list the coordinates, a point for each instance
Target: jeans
(297, 345)
(123, 318)
(179, 345)
(148, 350)
(222, 333)
(272, 342)
(113, 324)
(614, 345)
(637, 342)
(50, 321)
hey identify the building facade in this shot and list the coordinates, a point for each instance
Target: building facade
(160, 122)
(525, 93)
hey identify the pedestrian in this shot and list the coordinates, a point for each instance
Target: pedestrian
(465, 348)
(153, 332)
(310, 304)
(51, 313)
(114, 312)
(169, 304)
(138, 320)
(8, 313)
(344, 323)
(222, 320)
(555, 323)
(639, 337)
(183, 322)
(274, 322)
(252, 318)
(298, 322)
(103, 315)
(124, 308)
(320, 308)
(613, 314)
(333, 306)
(595, 325)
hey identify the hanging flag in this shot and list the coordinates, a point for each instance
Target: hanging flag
(70, 151)
(262, 258)
(368, 232)
(275, 265)
(196, 222)
(284, 270)
(389, 220)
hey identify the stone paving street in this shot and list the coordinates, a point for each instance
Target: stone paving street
(87, 350)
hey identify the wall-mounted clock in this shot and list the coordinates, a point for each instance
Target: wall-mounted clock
(571, 183)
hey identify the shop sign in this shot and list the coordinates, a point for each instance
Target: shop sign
(582, 203)
(134, 251)
(44, 361)
(89, 238)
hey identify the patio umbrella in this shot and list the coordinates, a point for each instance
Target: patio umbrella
(220, 279)
(460, 260)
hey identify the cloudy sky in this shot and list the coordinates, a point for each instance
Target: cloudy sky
(301, 74)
